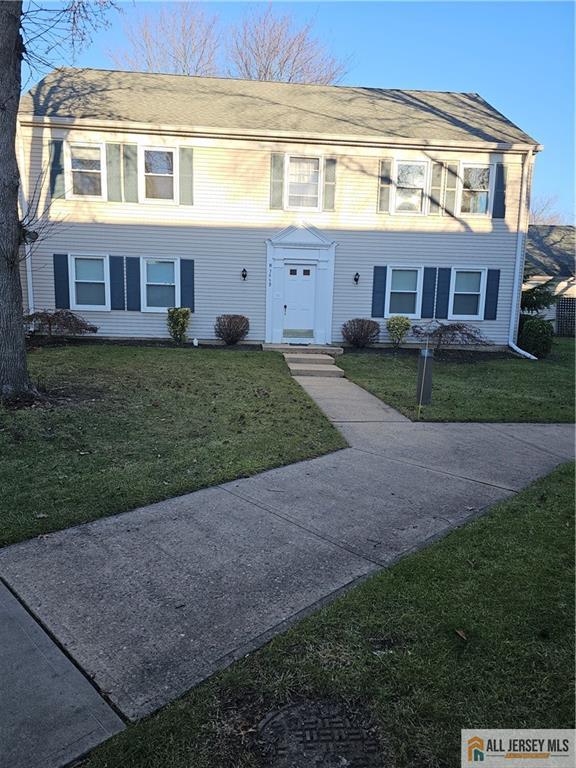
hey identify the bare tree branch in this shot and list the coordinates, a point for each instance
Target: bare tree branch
(544, 210)
(181, 40)
(265, 46)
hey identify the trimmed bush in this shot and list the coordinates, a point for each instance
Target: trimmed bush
(360, 332)
(178, 319)
(231, 328)
(537, 336)
(397, 327)
(62, 322)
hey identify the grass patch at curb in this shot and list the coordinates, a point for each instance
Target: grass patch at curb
(137, 425)
(483, 389)
(476, 631)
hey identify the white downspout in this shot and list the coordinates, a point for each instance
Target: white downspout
(24, 209)
(519, 264)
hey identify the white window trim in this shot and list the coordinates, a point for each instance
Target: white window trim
(460, 189)
(142, 176)
(482, 302)
(143, 283)
(418, 314)
(69, 187)
(393, 187)
(72, 282)
(296, 155)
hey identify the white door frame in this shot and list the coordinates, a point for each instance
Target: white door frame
(299, 245)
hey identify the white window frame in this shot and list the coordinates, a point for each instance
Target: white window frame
(481, 303)
(142, 176)
(72, 282)
(296, 156)
(394, 186)
(420, 270)
(460, 190)
(143, 282)
(69, 191)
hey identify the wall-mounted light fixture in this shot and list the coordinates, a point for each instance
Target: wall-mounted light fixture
(244, 274)
(357, 278)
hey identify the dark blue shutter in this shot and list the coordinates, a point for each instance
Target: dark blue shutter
(57, 169)
(61, 281)
(133, 283)
(187, 283)
(378, 291)
(499, 207)
(428, 292)
(492, 287)
(443, 293)
(117, 290)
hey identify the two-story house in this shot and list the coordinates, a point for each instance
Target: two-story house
(299, 206)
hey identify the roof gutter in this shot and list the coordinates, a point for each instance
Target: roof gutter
(94, 124)
(520, 252)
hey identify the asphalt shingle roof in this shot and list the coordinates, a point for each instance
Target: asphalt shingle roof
(236, 105)
(551, 250)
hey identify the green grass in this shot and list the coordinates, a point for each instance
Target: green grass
(485, 389)
(391, 646)
(150, 423)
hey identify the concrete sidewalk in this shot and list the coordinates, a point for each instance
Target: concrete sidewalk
(152, 601)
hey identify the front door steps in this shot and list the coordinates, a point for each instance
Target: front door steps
(304, 349)
(310, 364)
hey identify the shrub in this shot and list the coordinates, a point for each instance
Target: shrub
(442, 335)
(397, 327)
(62, 322)
(231, 328)
(360, 332)
(178, 319)
(536, 299)
(536, 336)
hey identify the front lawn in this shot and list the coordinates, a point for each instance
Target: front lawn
(477, 631)
(484, 388)
(135, 425)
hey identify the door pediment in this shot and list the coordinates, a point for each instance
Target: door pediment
(300, 237)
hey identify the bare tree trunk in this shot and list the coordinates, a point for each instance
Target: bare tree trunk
(14, 379)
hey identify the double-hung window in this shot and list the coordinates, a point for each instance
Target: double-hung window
(89, 286)
(160, 284)
(159, 174)
(467, 291)
(410, 187)
(404, 292)
(86, 170)
(303, 182)
(475, 189)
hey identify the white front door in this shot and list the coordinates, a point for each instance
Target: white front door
(299, 303)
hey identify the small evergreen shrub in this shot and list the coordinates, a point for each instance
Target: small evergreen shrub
(360, 332)
(231, 328)
(62, 322)
(397, 327)
(536, 336)
(178, 319)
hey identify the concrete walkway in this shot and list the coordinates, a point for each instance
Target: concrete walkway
(150, 602)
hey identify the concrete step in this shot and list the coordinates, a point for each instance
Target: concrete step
(305, 369)
(304, 349)
(308, 359)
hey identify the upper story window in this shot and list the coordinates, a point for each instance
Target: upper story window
(467, 291)
(475, 189)
(410, 187)
(86, 170)
(404, 292)
(89, 286)
(303, 182)
(159, 174)
(160, 286)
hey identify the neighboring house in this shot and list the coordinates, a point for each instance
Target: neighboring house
(299, 206)
(551, 259)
